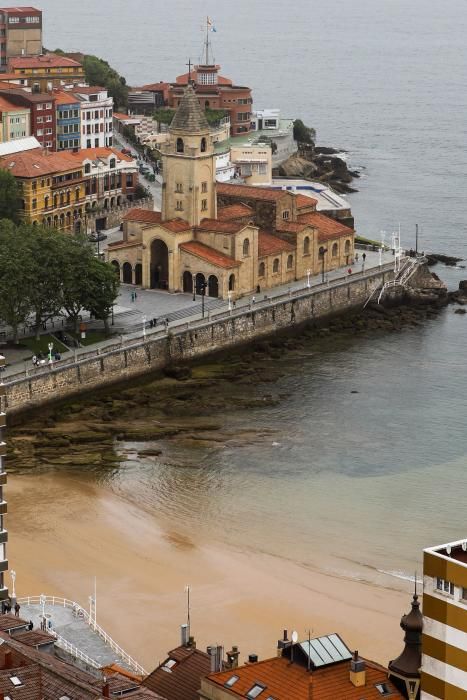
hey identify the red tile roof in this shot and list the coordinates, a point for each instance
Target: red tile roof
(101, 152)
(7, 106)
(120, 115)
(327, 228)
(64, 98)
(284, 681)
(291, 226)
(249, 192)
(221, 226)
(184, 679)
(209, 255)
(48, 60)
(143, 215)
(176, 225)
(37, 162)
(304, 201)
(234, 211)
(270, 245)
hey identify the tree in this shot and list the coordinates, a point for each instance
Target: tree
(99, 72)
(9, 196)
(302, 133)
(16, 276)
(102, 288)
(141, 192)
(77, 257)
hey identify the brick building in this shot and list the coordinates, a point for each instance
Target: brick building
(20, 33)
(42, 114)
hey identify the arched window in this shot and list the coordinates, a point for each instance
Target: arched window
(306, 245)
(55, 201)
(275, 265)
(77, 194)
(62, 199)
(180, 146)
(46, 201)
(246, 247)
(203, 145)
(347, 247)
(261, 270)
(289, 262)
(87, 168)
(231, 283)
(335, 250)
(68, 197)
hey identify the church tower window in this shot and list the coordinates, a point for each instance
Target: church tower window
(204, 204)
(203, 145)
(178, 187)
(204, 187)
(180, 146)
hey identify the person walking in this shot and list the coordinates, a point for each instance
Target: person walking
(364, 257)
(17, 609)
(34, 360)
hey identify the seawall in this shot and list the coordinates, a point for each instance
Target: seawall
(124, 361)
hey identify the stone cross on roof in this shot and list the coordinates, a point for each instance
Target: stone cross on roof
(189, 116)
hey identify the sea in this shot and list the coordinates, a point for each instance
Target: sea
(363, 462)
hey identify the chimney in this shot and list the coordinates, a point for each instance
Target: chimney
(184, 635)
(282, 643)
(191, 642)
(232, 658)
(252, 658)
(106, 691)
(8, 661)
(357, 671)
(212, 651)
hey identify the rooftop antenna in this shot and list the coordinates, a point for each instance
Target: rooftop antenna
(187, 591)
(294, 638)
(207, 43)
(308, 662)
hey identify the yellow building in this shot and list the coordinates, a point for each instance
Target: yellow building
(222, 238)
(52, 188)
(15, 121)
(50, 70)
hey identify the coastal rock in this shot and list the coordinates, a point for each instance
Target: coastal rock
(434, 258)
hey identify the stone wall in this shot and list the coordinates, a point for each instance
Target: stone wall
(115, 215)
(121, 363)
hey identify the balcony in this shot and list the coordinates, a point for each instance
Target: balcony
(3, 565)
(3, 477)
(3, 507)
(3, 536)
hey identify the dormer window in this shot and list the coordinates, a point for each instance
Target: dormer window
(285, 214)
(87, 168)
(112, 162)
(180, 146)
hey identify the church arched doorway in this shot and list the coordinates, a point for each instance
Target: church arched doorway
(127, 273)
(187, 282)
(213, 286)
(159, 265)
(200, 283)
(138, 274)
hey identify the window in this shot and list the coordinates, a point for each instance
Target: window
(48, 131)
(48, 118)
(40, 120)
(335, 250)
(34, 203)
(40, 132)
(180, 146)
(16, 681)
(203, 145)
(179, 205)
(383, 688)
(204, 204)
(232, 680)
(255, 691)
(261, 270)
(444, 586)
(48, 144)
(347, 247)
(178, 187)
(285, 214)
(246, 247)
(464, 593)
(204, 187)
(289, 262)
(112, 162)
(39, 107)
(306, 245)
(87, 168)
(48, 105)
(275, 265)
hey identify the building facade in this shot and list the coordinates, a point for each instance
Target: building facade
(96, 114)
(221, 239)
(68, 119)
(20, 33)
(47, 71)
(52, 188)
(444, 644)
(3, 479)
(15, 121)
(42, 114)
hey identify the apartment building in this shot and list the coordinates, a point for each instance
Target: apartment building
(42, 113)
(15, 121)
(444, 642)
(68, 116)
(47, 71)
(96, 114)
(20, 33)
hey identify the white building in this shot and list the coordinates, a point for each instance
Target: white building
(96, 116)
(266, 119)
(444, 645)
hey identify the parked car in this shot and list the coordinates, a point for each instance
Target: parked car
(100, 236)
(126, 151)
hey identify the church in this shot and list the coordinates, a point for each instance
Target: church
(224, 240)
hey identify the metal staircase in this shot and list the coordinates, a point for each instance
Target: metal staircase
(401, 277)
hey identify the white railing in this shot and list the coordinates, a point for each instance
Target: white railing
(74, 651)
(80, 612)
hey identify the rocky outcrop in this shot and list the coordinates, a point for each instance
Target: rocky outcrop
(434, 258)
(319, 163)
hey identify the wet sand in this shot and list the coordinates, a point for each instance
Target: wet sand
(63, 532)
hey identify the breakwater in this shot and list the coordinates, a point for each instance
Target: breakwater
(123, 361)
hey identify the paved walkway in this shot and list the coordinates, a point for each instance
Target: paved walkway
(154, 187)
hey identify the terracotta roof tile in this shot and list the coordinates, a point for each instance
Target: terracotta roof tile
(220, 226)
(176, 225)
(209, 255)
(48, 60)
(270, 245)
(249, 192)
(34, 638)
(65, 98)
(101, 152)
(143, 215)
(327, 228)
(291, 226)
(184, 679)
(7, 106)
(304, 201)
(120, 115)
(37, 162)
(234, 211)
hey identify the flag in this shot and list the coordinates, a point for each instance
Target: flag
(213, 29)
(209, 22)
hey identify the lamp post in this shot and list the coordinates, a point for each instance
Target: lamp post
(383, 235)
(308, 275)
(13, 591)
(322, 253)
(144, 327)
(194, 287)
(203, 286)
(229, 296)
(50, 346)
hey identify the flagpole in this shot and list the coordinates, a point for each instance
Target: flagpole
(207, 40)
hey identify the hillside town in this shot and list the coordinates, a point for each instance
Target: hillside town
(181, 191)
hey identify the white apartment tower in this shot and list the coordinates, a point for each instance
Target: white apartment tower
(96, 109)
(444, 642)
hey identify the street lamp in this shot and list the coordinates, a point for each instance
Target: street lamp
(202, 287)
(308, 275)
(322, 253)
(13, 592)
(194, 288)
(50, 346)
(144, 327)
(229, 296)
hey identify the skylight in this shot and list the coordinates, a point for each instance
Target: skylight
(383, 689)
(255, 691)
(231, 681)
(16, 681)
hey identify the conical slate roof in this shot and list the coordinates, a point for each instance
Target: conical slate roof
(409, 662)
(189, 116)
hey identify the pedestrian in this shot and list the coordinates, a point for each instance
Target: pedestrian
(34, 360)
(154, 320)
(349, 270)
(136, 296)
(31, 625)
(8, 607)
(3, 607)
(132, 295)
(17, 609)
(253, 299)
(356, 257)
(166, 324)
(234, 303)
(364, 257)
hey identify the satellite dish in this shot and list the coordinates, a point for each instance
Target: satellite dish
(448, 550)
(464, 545)
(294, 637)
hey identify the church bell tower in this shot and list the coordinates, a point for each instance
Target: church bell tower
(189, 165)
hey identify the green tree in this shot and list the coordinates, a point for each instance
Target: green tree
(102, 289)
(99, 72)
(16, 277)
(141, 192)
(77, 257)
(9, 196)
(302, 133)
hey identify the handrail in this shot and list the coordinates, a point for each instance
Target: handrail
(73, 650)
(81, 612)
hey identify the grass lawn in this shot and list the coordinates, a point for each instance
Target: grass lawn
(91, 337)
(42, 345)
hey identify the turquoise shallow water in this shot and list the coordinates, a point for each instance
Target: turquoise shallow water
(357, 482)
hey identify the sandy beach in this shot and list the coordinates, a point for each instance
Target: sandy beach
(63, 532)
